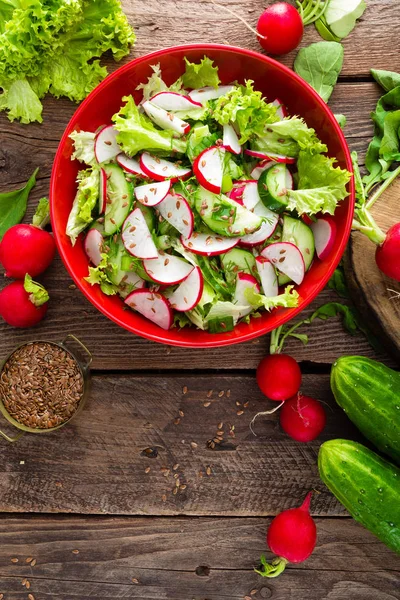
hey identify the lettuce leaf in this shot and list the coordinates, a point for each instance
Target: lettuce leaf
(83, 147)
(86, 199)
(202, 74)
(21, 102)
(137, 132)
(247, 108)
(199, 139)
(288, 137)
(101, 275)
(289, 299)
(154, 85)
(225, 309)
(38, 295)
(41, 218)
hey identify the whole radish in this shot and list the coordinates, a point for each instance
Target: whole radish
(292, 536)
(279, 377)
(280, 28)
(303, 418)
(23, 303)
(387, 255)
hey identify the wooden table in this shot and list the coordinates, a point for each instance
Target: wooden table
(93, 504)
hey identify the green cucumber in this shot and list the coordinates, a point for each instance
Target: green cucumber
(238, 260)
(119, 199)
(272, 187)
(150, 217)
(369, 394)
(298, 233)
(224, 216)
(213, 275)
(366, 484)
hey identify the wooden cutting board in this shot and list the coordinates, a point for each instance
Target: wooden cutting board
(373, 293)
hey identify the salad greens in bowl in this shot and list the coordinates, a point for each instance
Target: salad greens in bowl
(202, 195)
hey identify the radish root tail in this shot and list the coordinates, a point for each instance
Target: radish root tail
(263, 414)
(232, 12)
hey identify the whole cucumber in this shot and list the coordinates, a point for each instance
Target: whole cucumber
(369, 393)
(366, 484)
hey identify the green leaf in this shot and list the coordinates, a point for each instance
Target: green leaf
(289, 137)
(390, 145)
(324, 31)
(361, 195)
(202, 74)
(41, 218)
(38, 295)
(13, 205)
(154, 85)
(83, 147)
(338, 283)
(341, 15)
(86, 199)
(386, 79)
(289, 299)
(21, 102)
(101, 275)
(320, 65)
(342, 120)
(199, 139)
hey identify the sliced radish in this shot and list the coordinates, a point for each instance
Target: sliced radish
(324, 231)
(136, 236)
(250, 196)
(230, 140)
(160, 169)
(244, 281)
(165, 119)
(132, 278)
(94, 246)
(205, 94)
(189, 293)
(236, 192)
(176, 210)
(281, 109)
(130, 165)
(208, 245)
(268, 276)
(105, 144)
(270, 156)
(103, 192)
(266, 230)
(167, 269)
(153, 306)
(287, 258)
(262, 166)
(152, 194)
(209, 168)
(174, 101)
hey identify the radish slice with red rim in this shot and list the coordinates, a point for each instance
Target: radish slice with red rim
(266, 230)
(105, 144)
(136, 236)
(161, 169)
(268, 277)
(250, 196)
(244, 281)
(205, 94)
(103, 192)
(153, 306)
(176, 210)
(189, 293)
(130, 165)
(165, 119)
(287, 258)
(209, 168)
(259, 169)
(94, 246)
(152, 194)
(208, 244)
(167, 269)
(281, 109)
(230, 140)
(172, 101)
(324, 230)
(270, 156)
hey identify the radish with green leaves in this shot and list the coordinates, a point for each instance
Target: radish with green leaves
(23, 303)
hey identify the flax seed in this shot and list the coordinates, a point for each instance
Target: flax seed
(29, 559)
(33, 563)
(175, 491)
(208, 471)
(175, 467)
(181, 413)
(164, 498)
(253, 592)
(177, 421)
(193, 445)
(206, 404)
(239, 413)
(14, 560)
(228, 393)
(24, 581)
(220, 394)
(28, 585)
(147, 470)
(31, 597)
(210, 393)
(185, 389)
(183, 487)
(134, 580)
(246, 404)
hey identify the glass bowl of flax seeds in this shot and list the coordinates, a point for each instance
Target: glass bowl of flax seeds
(43, 385)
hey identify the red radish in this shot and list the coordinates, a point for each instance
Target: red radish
(268, 277)
(136, 236)
(251, 197)
(103, 192)
(262, 166)
(279, 377)
(230, 140)
(160, 169)
(279, 158)
(152, 194)
(153, 306)
(324, 230)
(267, 228)
(388, 254)
(236, 192)
(303, 418)
(287, 258)
(209, 168)
(292, 536)
(26, 249)
(176, 210)
(203, 95)
(174, 101)
(280, 28)
(94, 246)
(17, 307)
(244, 281)
(281, 110)
(208, 244)
(105, 144)
(167, 269)
(130, 165)
(165, 119)
(189, 293)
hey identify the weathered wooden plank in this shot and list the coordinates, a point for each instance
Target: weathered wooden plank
(98, 463)
(183, 558)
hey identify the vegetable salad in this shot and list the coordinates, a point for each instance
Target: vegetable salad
(193, 202)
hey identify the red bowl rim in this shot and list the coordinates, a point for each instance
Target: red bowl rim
(245, 337)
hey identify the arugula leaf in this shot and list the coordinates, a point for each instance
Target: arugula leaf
(338, 283)
(41, 218)
(320, 65)
(289, 137)
(322, 27)
(137, 132)
(38, 295)
(13, 205)
(289, 299)
(341, 15)
(390, 145)
(83, 147)
(200, 75)
(101, 275)
(386, 79)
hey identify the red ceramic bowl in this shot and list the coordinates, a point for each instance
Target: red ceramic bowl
(274, 80)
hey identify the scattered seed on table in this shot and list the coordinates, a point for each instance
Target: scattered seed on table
(183, 487)
(177, 421)
(210, 393)
(228, 393)
(175, 467)
(175, 491)
(164, 498)
(14, 560)
(246, 404)
(29, 559)
(220, 425)
(1, 596)
(31, 597)
(72, 286)
(28, 585)
(208, 471)
(59, 484)
(147, 470)
(206, 404)
(134, 580)
(247, 598)
(181, 413)
(253, 592)
(200, 474)
(33, 563)
(239, 413)
(221, 393)
(24, 581)
(237, 403)
(177, 483)
(185, 389)
(193, 445)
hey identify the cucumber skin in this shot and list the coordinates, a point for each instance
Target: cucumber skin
(366, 484)
(369, 393)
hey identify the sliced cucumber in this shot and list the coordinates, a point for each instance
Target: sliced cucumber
(224, 216)
(272, 187)
(298, 233)
(119, 199)
(99, 225)
(238, 260)
(210, 270)
(149, 216)
(130, 263)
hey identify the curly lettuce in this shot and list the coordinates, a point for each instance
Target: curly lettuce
(288, 137)
(86, 199)
(202, 74)
(101, 275)
(289, 299)
(83, 147)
